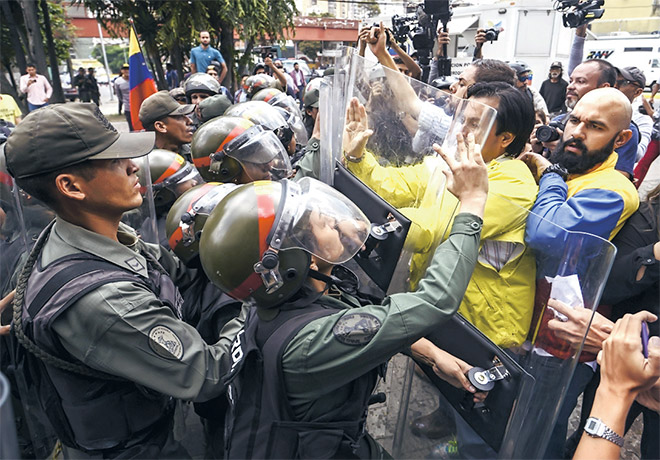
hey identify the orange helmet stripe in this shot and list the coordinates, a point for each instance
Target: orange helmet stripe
(238, 130)
(177, 236)
(177, 163)
(266, 218)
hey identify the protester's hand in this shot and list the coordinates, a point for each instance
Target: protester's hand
(573, 329)
(363, 37)
(356, 131)
(624, 372)
(378, 40)
(551, 146)
(454, 371)
(650, 398)
(268, 61)
(443, 39)
(467, 177)
(316, 131)
(581, 31)
(480, 38)
(536, 146)
(536, 163)
(6, 303)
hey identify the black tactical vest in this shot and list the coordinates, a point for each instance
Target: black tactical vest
(260, 420)
(108, 416)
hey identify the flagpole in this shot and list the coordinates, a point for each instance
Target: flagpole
(137, 39)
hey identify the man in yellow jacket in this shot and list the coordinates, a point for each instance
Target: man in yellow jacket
(500, 297)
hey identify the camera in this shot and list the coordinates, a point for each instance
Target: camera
(582, 13)
(549, 133)
(492, 34)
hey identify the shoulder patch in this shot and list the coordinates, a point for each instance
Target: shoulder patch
(165, 343)
(134, 264)
(356, 328)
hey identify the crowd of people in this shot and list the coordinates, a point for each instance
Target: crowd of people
(202, 260)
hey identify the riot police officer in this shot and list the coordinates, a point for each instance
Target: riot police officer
(305, 364)
(96, 312)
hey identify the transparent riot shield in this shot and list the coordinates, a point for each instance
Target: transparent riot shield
(143, 218)
(403, 118)
(22, 219)
(524, 380)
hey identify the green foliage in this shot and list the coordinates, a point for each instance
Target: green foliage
(371, 9)
(321, 15)
(63, 32)
(115, 54)
(310, 48)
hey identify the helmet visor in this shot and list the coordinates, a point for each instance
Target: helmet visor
(322, 221)
(261, 155)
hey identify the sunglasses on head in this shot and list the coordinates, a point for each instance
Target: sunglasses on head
(624, 82)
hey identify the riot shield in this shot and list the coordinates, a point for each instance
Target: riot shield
(22, 218)
(143, 218)
(405, 118)
(524, 384)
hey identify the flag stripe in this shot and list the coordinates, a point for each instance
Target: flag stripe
(140, 80)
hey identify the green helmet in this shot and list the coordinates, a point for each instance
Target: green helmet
(213, 106)
(266, 94)
(312, 92)
(187, 216)
(289, 109)
(255, 83)
(201, 83)
(258, 242)
(170, 174)
(269, 117)
(233, 149)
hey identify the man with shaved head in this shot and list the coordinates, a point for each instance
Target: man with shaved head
(580, 191)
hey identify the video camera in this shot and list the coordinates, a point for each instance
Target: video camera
(422, 28)
(582, 11)
(265, 51)
(549, 133)
(492, 34)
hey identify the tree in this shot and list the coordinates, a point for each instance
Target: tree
(310, 48)
(28, 28)
(370, 9)
(169, 28)
(115, 54)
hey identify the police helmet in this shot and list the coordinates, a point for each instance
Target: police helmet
(255, 83)
(258, 242)
(186, 218)
(269, 117)
(213, 106)
(233, 149)
(311, 94)
(170, 174)
(201, 83)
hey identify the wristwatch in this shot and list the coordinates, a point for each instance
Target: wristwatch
(558, 169)
(353, 159)
(597, 429)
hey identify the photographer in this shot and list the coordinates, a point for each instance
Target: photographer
(405, 64)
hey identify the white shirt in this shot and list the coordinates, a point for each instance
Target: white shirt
(38, 92)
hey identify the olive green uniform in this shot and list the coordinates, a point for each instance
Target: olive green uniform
(108, 329)
(318, 366)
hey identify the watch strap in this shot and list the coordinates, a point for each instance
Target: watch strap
(595, 428)
(557, 169)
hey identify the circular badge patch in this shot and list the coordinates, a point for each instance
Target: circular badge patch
(356, 328)
(164, 342)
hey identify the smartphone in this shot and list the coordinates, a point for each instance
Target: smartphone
(645, 339)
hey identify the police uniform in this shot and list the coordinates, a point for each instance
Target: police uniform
(97, 324)
(328, 359)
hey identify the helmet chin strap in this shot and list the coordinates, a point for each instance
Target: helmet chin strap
(347, 286)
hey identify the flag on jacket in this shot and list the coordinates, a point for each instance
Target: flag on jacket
(140, 80)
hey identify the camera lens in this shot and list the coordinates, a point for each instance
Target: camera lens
(547, 134)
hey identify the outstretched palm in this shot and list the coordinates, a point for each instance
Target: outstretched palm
(356, 130)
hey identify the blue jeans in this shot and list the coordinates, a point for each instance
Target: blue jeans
(32, 107)
(581, 378)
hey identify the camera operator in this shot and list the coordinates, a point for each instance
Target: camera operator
(404, 63)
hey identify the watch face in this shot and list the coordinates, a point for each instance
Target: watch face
(591, 425)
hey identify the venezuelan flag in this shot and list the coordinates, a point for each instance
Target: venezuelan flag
(140, 80)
